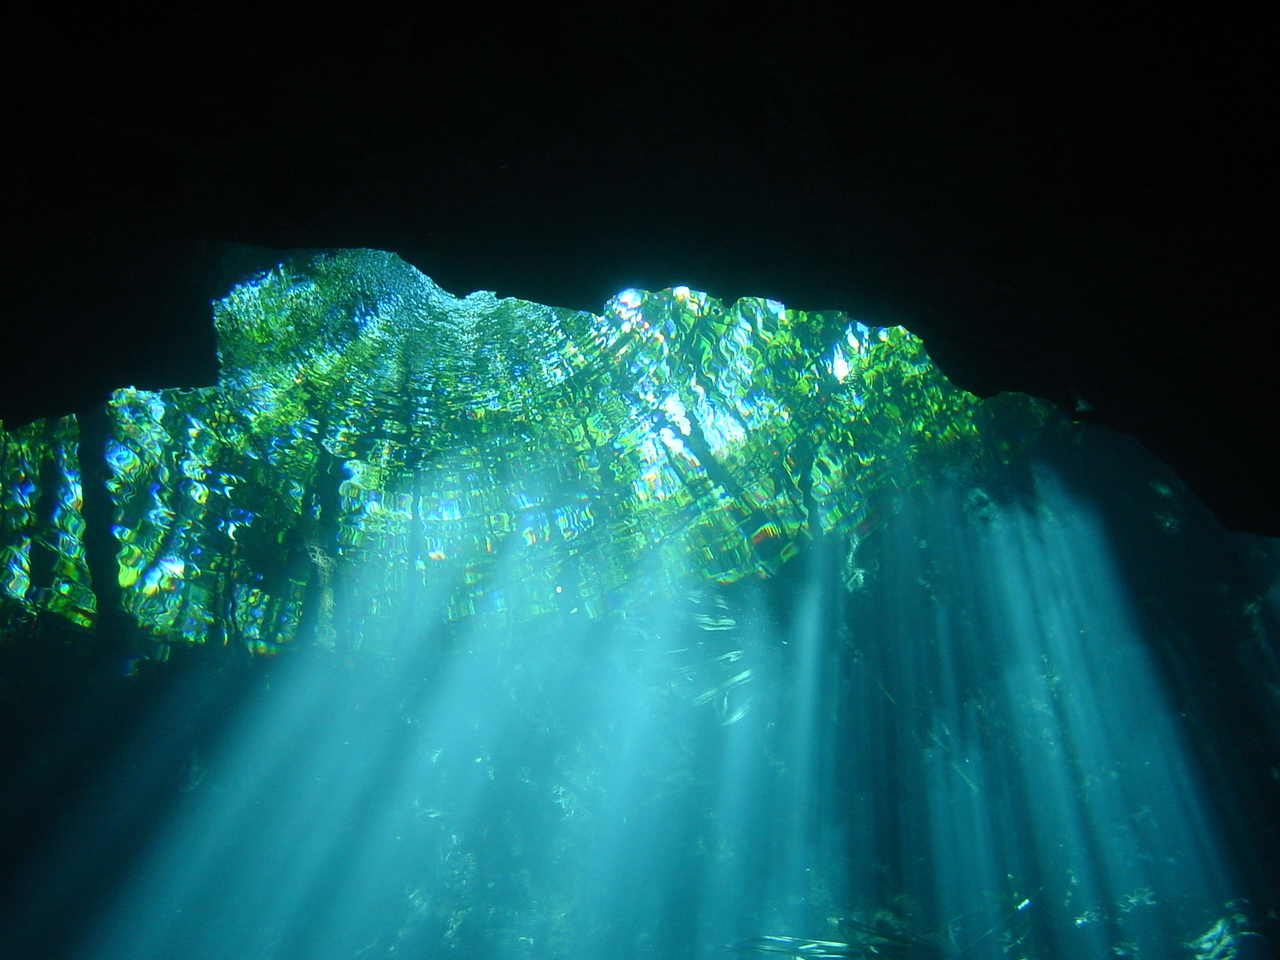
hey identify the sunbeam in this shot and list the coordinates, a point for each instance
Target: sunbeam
(687, 638)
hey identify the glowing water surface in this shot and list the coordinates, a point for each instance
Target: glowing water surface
(711, 652)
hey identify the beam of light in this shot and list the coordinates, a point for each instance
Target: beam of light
(1119, 806)
(968, 752)
(949, 728)
(1051, 800)
(767, 816)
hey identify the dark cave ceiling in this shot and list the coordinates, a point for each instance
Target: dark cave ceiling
(1075, 210)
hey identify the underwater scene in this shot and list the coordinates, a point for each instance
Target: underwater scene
(466, 627)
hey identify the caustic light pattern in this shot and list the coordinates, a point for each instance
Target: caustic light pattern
(374, 442)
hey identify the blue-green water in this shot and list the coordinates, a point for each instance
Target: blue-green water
(1018, 704)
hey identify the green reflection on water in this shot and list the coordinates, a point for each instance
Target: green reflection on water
(379, 453)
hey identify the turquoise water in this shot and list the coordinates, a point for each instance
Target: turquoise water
(684, 631)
